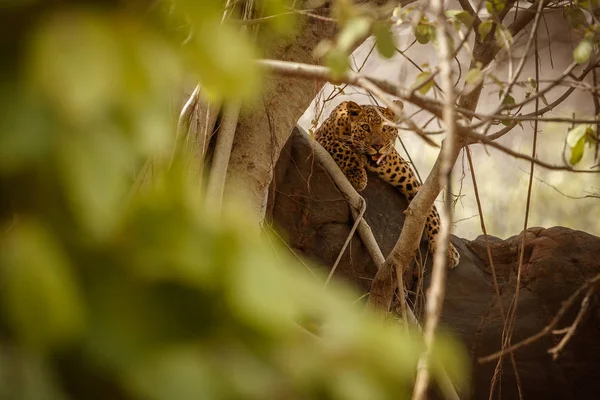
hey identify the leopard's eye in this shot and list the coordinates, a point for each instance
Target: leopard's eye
(366, 127)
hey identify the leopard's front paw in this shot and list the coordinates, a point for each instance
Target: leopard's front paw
(358, 181)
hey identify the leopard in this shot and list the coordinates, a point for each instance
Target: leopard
(362, 138)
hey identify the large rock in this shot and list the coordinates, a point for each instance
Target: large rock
(307, 208)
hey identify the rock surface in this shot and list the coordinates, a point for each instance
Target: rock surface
(307, 208)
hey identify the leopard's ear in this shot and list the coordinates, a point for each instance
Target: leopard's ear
(353, 108)
(398, 104)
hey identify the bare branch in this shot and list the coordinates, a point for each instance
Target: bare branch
(525, 17)
(436, 291)
(434, 107)
(570, 331)
(357, 221)
(589, 285)
(352, 197)
(218, 171)
(490, 259)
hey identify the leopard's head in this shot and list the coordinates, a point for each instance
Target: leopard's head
(369, 128)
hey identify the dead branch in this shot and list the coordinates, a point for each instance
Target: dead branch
(570, 331)
(589, 285)
(354, 201)
(218, 171)
(357, 220)
(489, 252)
(436, 291)
(317, 72)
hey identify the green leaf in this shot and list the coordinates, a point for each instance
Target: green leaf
(532, 82)
(495, 6)
(37, 289)
(588, 4)
(504, 38)
(424, 32)
(575, 17)
(353, 31)
(583, 51)
(474, 76)
(508, 100)
(96, 184)
(385, 40)
(460, 15)
(422, 77)
(81, 82)
(485, 28)
(577, 151)
(337, 61)
(575, 134)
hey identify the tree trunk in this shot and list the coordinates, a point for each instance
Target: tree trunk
(264, 128)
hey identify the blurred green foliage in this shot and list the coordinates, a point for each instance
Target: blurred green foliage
(107, 295)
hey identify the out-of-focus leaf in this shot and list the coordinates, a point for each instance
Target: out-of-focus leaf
(338, 62)
(76, 62)
(574, 16)
(38, 290)
(474, 76)
(285, 22)
(94, 170)
(460, 15)
(583, 51)
(385, 40)
(495, 6)
(424, 31)
(354, 30)
(485, 28)
(532, 83)
(449, 353)
(576, 140)
(504, 38)
(23, 130)
(508, 100)
(422, 77)
(588, 4)
(153, 296)
(231, 73)
(175, 373)
(577, 151)
(574, 135)
(36, 380)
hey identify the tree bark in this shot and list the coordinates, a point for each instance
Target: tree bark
(264, 128)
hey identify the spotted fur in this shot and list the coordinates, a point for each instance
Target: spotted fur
(360, 138)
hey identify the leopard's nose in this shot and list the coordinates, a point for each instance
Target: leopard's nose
(377, 146)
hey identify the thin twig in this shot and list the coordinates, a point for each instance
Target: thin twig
(489, 253)
(510, 321)
(350, 236)
(570, 331)
(548, 329)
(435, 293)
(317, 72)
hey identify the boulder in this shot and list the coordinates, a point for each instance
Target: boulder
(306, 207)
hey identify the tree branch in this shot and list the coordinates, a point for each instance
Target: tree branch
(436, 291)
(589, 285)
(218, 171)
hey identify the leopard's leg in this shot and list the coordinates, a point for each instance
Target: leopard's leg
(350, 164)
(432, 230)
(397, 172)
